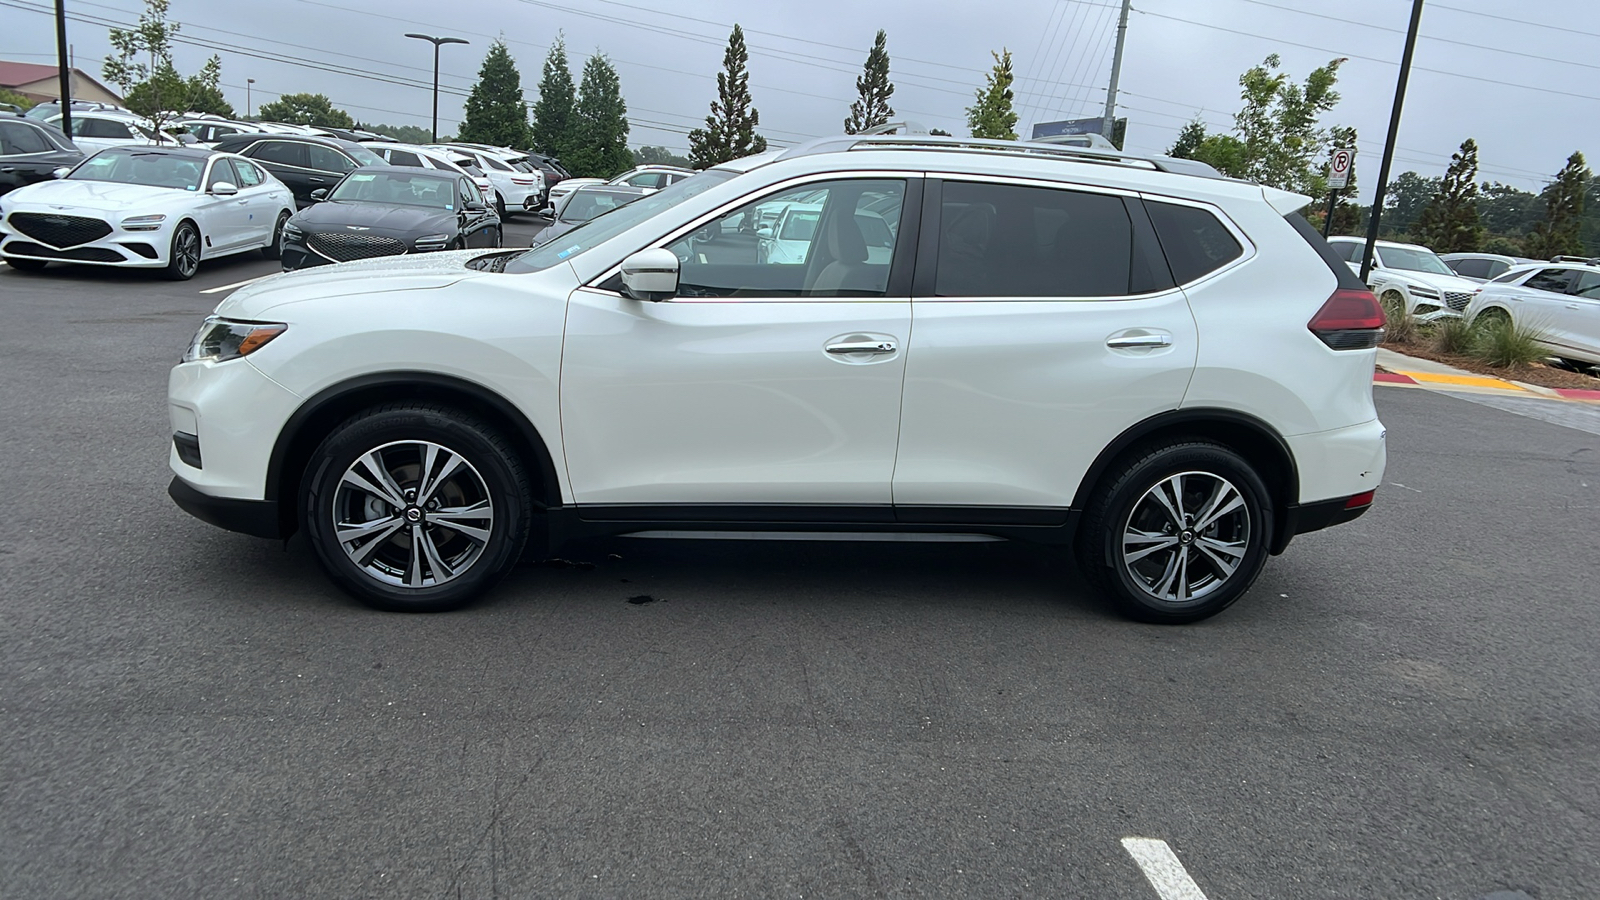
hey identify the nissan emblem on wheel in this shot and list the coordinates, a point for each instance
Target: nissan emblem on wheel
(876, 337)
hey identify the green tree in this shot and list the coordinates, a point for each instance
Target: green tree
(555, 114)
(1507, 211)
(1560, 231)
(730, 130)
(1406, 197)
(602, 128)
(992, 116)
(1190, 137)
(141, 65)
(305, 109)
(494, 112)
(659, 156)
(1449, 223)
(406, 134)
(874, 88)
(15, 99)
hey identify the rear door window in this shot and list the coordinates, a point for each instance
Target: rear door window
(1195, 241)
(1553, 280)
(1471, 268)
(285, 153)
(17, 138)
(248, 175)
(326, 160)
(404, 158)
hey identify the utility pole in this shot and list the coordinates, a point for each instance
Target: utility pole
(247, 107)
(1109, 125)
(66, 69)
(1388, 147)
(436, 42)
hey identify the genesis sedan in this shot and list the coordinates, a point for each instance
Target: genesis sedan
(390, 211)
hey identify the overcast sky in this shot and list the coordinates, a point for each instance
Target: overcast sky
(1514, 76)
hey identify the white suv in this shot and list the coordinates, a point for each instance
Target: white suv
(1560, 300)
(1170, 374)
(1409, 274)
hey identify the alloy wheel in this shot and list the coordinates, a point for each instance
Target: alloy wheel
(1186, 537)
(413, 514)
(186, 249)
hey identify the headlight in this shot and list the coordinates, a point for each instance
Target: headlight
(142, 223)
(432, 241)
(222, 339)
(293, 230)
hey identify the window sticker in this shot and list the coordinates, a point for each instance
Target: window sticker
(569, 251)
(362, 177)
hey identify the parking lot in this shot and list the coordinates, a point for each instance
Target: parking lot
(1407, 706)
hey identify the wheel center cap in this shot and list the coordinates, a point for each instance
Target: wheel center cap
(1186, 537)
(413, 514)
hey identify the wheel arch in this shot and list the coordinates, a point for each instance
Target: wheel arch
(315, 418)
(1250, 437)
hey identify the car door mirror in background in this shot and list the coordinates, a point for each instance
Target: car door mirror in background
(224, 189)
(319, 194)
(473, 206)
(61, 171)
(650, 274)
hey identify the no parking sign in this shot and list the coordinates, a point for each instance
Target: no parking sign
(1339, 171)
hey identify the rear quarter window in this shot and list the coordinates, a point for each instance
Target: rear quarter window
(1195, 241)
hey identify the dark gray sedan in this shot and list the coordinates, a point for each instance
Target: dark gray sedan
(584, 204)
(389, 211)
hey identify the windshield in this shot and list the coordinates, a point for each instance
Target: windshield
(152, 168)
(585, 205)
(364, 156)
(1414, 260)
(604, 228)
(405, 189)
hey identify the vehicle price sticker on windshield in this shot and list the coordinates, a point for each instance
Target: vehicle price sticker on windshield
(1339, 170)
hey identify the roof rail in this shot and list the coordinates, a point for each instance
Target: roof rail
(1586, 260)
(1014, 148)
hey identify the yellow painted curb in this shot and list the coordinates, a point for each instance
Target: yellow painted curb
(1482, 381)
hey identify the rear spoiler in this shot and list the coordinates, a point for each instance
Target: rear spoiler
(1285, 202)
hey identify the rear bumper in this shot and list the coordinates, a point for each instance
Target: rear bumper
(253, 517)
(1298, 520)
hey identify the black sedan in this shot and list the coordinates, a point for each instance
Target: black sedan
(584, 204)
(388, 211)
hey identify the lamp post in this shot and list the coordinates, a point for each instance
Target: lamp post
(436, 41)
(247, 106)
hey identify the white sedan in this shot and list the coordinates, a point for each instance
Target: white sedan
(146, 207)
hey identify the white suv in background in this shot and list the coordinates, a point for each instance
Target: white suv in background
(1561, 300)
(1410, 274)
(1169, 374)
(653, 177)
(514, 190)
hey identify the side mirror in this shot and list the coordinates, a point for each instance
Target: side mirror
(319, 195)
(60, 171)
(764, 231)
(469, 206)
(650, 274)
(224, 189)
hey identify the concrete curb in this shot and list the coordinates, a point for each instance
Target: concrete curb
(1397, 369)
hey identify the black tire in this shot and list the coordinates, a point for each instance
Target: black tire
(274, 250)
(500, 206)
(499, 238)
(1493, 317)
(453, 568)
(26, 265)
(183, 257)
(1118, 512)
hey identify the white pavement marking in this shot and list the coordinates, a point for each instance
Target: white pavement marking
(1162, 869)
(237, 284)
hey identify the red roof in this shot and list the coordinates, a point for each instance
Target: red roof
(15, 73)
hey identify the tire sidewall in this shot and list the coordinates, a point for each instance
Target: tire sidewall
(1151, 471)
(274, 250)
(488, 454)
(174, 267)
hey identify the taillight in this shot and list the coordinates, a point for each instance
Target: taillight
(1360, 500)
(1350, 320)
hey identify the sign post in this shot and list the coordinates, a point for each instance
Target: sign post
(1344, 159)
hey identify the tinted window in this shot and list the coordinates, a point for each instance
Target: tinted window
(421, 189)
(100, 128)
(327, 160)
(249, 176)
(16, 137)
(287, 153)
(221, 171)
(1195, 241)
(1349, 251)
(140, 166)
(402, 158)
(1496, 268)
(1471, 268)
(1554, 280)
(1011, 241)
(648, 180)
(1587, 285)
(495, 164)
(469, 191)
(829, 256)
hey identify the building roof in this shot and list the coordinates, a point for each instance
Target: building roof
(18, 74)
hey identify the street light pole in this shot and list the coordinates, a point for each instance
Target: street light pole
(247, 106)
(1394, 132)
(65, 68)
(436, 41)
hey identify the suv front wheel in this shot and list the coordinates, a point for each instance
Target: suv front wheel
(1177, 532)
(416, 508)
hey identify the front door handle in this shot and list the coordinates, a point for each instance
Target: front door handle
(1135, 341)
(862, 347)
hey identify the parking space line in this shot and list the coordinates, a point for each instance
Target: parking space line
(237, 284)
(1162, 869)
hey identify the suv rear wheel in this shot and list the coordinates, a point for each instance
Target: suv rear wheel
(416, 508)
(1177, 532)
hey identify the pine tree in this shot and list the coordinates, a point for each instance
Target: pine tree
(730, 130)
(1559, 234)
(601, 150)
(495, 114)
(872, 108)
(555, 115)
(992, 116)
(1449, 223)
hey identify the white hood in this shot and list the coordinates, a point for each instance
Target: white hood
(422, 271)
(1428, 279)
(95, 196)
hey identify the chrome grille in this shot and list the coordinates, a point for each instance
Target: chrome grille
(60, 231)
(343, 247)
(1457, 300)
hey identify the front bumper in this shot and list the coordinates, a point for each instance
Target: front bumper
(253, 517)
(301, 253)
(136, 249)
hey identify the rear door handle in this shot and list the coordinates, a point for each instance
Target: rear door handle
(862, 347)
(1135, 341)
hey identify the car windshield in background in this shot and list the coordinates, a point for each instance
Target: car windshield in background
(406, 189)
(596, 232)
(1414, 261)
(146, 167)
(585, 205)
(364, 156)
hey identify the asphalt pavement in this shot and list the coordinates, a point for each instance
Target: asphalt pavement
(1406, 706)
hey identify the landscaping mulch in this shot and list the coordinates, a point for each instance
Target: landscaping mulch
(1537, 373)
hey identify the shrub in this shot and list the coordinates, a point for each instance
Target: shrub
(1500, 342)
(1454, 336)
(1400, 326)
